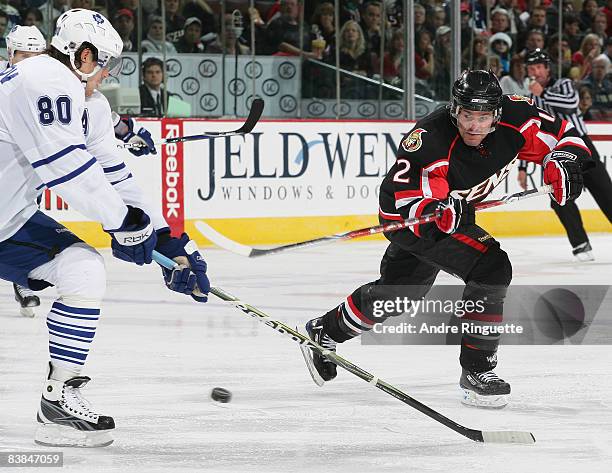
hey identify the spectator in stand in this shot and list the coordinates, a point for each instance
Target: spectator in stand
(589, 50)
(571, 29)
(438, 18)
(535, 40)
(283, 33)
(190, 41)
(495, 65)
(442, 69)
(478, 57)
(536, 22)
(353, 58)
(371, 24)
(230, 41)
(479, 15)
(201, 10)
(392, 62)
(516, 82)
(500, 21)
(587, 15)
(609, 48)
(175, 22)
(600, 25)
(32, 17)
(420, 17)
(155, 38)
(585, 103)
(124, 24)
(501, 46)
(424, 55)
(153, 96)
(513, 12)
(600, 83)
(323, 19)
(566, 55)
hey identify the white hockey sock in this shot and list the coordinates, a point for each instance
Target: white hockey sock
(71, 331)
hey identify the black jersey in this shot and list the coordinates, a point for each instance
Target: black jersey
(433, 162)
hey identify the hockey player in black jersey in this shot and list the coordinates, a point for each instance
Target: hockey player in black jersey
(451, 159)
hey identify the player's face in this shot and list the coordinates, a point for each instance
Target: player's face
(539, 73)
(89, 61)
(474, 126)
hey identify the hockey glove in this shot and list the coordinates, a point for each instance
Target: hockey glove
(190, 278)
(135, 240)
(124, 131)
(563, 171)
(449, 214)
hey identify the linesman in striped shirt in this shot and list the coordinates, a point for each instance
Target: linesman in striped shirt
(559, 98)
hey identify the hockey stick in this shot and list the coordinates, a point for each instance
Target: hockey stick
(244, 250)
(302, 340)
(257, 107)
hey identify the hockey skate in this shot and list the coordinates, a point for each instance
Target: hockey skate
(583, 252)
(484, 389)
(66, 419)
(320, 368)
(27, 300)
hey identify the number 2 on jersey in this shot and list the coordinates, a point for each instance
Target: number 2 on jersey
(402, 171)
(48, 113)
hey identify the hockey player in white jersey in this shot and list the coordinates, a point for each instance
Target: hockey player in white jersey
(28, 41)
(42, 145)
(23, 42)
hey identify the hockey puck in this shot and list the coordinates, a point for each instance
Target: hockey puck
(221, 395)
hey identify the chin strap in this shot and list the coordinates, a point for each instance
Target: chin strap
(83, 76)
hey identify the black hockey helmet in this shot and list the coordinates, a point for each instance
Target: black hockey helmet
(537, 56)
(478, 91)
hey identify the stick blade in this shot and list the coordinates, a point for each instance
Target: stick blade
(508, 436)
(221, 240)
(257, 107)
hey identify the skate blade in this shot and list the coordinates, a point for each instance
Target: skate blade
(472, 399)
(55, 435)
(585, 257)
(314, 374)
(27, 312)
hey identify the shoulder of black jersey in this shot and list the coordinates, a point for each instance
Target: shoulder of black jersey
(517, 110)
(430, 138)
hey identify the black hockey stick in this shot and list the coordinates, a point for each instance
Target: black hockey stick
(257, 107)
(244, 250)
(302, 340)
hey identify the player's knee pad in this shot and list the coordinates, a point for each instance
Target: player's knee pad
(493, 268)
(78, 273)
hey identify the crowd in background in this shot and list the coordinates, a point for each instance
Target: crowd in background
(370, 39)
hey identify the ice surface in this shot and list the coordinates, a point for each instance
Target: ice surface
(157, 355)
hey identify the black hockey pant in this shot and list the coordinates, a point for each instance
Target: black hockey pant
(412, 263)
(597, 181)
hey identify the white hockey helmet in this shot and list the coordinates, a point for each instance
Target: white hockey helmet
(25, 38)
(77, 26)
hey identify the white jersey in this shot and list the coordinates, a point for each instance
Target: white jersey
(101, 143)
(42, 145)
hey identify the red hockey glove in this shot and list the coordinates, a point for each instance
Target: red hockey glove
(562, 171)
